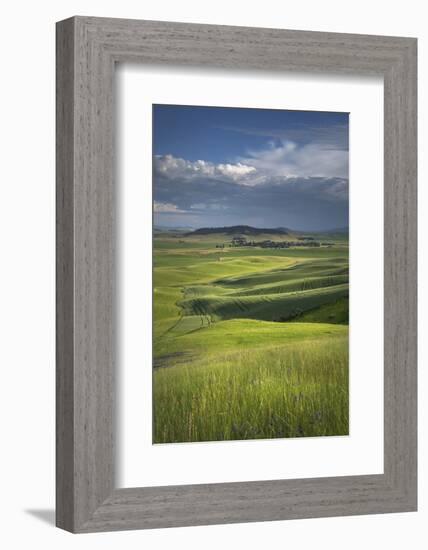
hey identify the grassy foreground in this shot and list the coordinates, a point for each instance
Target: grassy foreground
(249, 344)
(290, 392)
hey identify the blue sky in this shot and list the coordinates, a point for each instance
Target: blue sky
(216, 166)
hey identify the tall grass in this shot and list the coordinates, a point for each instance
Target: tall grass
(288, 391)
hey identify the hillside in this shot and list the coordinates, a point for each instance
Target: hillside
(249, 342)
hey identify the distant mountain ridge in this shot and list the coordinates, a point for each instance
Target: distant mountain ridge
(165, 228)
(240, 230)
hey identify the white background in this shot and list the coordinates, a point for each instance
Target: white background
(27, 273)
(362, 451)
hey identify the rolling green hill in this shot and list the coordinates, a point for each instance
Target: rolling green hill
(266, 307)
(249, 342)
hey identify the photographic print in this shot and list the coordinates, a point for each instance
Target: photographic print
(250, 274)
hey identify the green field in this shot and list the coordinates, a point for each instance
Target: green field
(249, 342)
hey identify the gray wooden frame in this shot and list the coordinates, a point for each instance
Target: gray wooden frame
(87, 50)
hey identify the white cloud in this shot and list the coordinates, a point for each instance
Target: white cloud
(287, 159)
(335, 136)
(166, 207)
(235, 171)
(172, 167)
(282, 160)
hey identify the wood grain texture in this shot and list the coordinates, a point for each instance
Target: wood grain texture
(87, 49)
(64, 276)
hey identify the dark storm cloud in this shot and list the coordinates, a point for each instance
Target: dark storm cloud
(300, 203)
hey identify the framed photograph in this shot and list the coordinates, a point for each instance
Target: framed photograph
(236, 274)
(253, 314)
